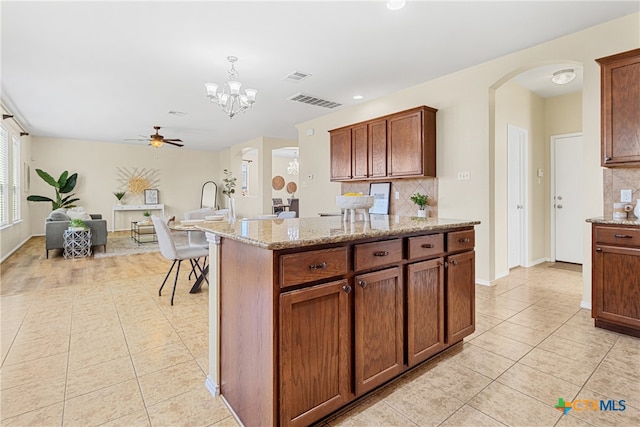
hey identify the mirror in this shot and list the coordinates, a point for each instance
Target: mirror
(209, 196)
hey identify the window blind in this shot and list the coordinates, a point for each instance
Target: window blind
(4, 176)
(16, 180)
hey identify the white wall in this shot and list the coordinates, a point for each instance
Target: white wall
(465, 127)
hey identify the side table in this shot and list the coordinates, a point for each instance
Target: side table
(77, 243)
(143, 232)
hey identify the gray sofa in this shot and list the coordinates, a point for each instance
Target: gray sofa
(54, 229)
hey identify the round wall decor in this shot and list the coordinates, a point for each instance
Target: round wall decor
(292, 187)
(277, 182)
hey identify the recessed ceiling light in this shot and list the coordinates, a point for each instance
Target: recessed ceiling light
(563, 77)
(358, 96)
(396, 4)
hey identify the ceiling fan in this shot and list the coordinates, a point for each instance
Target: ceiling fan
(157, 140)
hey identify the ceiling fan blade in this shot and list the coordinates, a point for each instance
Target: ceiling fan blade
(136, 139)
(174, 140)
(174, 143)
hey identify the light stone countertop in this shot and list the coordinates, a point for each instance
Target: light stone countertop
(611, 221)
(276, 234)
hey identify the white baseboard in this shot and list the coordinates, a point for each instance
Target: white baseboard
(585, 304)
(214, 389)
(12, 251)
(482, 282)
(538, 261)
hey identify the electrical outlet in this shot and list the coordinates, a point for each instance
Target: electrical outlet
(464, 176)
(397, 195)
(625, 196)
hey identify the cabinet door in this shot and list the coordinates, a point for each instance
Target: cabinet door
(340, 146)
(360, 151)
(315, 352)
(378, 328)
(425, 310)
(404, 132)
(616, 285)
(620, 76)
(378, 149)
(461, 291)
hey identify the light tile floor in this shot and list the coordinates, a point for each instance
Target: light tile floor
(89, 342)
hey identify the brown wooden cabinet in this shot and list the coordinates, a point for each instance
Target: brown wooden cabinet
(615, 279)
(315, 352)
(460, 300)
(379, 334)
(620, 100)
(398, 145)
(425, 310)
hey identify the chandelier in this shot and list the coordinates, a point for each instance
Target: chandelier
(294, 167)
(230, 98)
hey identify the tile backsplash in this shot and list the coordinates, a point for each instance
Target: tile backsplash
(616, 179)
(405, 187)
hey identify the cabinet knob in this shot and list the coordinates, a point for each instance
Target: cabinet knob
(318, 266)
(464, 240)
(606, 159)
(427, 245)
(598, 249)
(362, 283)
(346, 288)
(623, 236)
(381, 253)
(454, 262)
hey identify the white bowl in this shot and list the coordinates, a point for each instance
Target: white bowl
(354, 202)
(191, 221)
(214, 217)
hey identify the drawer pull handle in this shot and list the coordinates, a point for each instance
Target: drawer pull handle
(346, 288)
(362, 283)
(381, 253)
(464, 240)
(318, 266)
(427, 245)
(454, 262)
(606, 159)
(623, 236)
(598, 249)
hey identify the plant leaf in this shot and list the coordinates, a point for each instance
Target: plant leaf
(70, 184)
(63, 179)
(39, 199)
(47, 178)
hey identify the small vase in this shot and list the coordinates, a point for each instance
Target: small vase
(422, 213)
(232, 210)
(636, 210)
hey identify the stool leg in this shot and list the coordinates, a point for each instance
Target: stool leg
(175, 281)
(166, 277)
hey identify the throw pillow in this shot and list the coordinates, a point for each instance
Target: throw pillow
(78, 213)
(59, 214)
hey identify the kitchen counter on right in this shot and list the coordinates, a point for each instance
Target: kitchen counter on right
(614, 221)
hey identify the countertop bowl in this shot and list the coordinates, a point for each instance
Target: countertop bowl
(354, 202)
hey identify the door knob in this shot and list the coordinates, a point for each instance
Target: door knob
(559, 206)
(559, 197)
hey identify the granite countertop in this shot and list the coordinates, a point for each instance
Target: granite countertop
(613, 221)
(298, 232)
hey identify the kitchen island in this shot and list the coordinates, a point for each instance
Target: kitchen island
(308, 314)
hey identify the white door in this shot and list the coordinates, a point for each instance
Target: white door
(516, 194)
(567, 200)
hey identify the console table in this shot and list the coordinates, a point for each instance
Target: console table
(119, 208)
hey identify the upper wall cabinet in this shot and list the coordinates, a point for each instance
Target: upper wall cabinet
(399, 145)
(620, 77)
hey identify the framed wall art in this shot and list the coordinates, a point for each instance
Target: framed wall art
(380, 192)
(150, 196)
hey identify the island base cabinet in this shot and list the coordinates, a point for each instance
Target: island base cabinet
(378, 328)
(460, 301)
(425, 310)
(315, 349)
(616, 289)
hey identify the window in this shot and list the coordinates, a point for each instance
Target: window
(4, 177)
(16, 180)
(245, 178)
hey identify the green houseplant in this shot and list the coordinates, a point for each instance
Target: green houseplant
(77, 224)
(119, 195)
(422, 200)
(63, 185)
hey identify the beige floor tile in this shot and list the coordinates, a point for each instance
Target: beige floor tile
(371, 413)
(513, 408)
(29, 397)
(134, 419)
(158, 358)
(468, 416)
(520, 333)
(25, 350)
(539, 385)
(103, 405)
(33, 371)
(560, 367)
(227, 422)
(579, 352)
(94, 377)
(499, 344)
(49, 416)
(170, 382)
(629, 417)
(196, 407)
(453, 379)
(586, 335)
(614, 378)
(483, 324)
(571, 421)
(627, 351)
(96, 352)
(482, 361)
(197, 343)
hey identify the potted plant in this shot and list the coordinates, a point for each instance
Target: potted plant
(228, 188)
(119, 195)
(77, 225)
(422, 200)
(63, 185)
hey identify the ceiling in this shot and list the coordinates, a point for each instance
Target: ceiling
(109, 71)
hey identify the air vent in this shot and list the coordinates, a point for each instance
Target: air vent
(296, 77)
(312, 100)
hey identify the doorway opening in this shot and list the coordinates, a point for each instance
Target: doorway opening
(517, 143)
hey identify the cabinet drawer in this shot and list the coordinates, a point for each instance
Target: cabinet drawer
(618, 236)
(371, 255)
(460, 240)
(424, 246)
(312, 265)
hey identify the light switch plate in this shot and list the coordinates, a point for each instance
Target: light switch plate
(625, 196)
